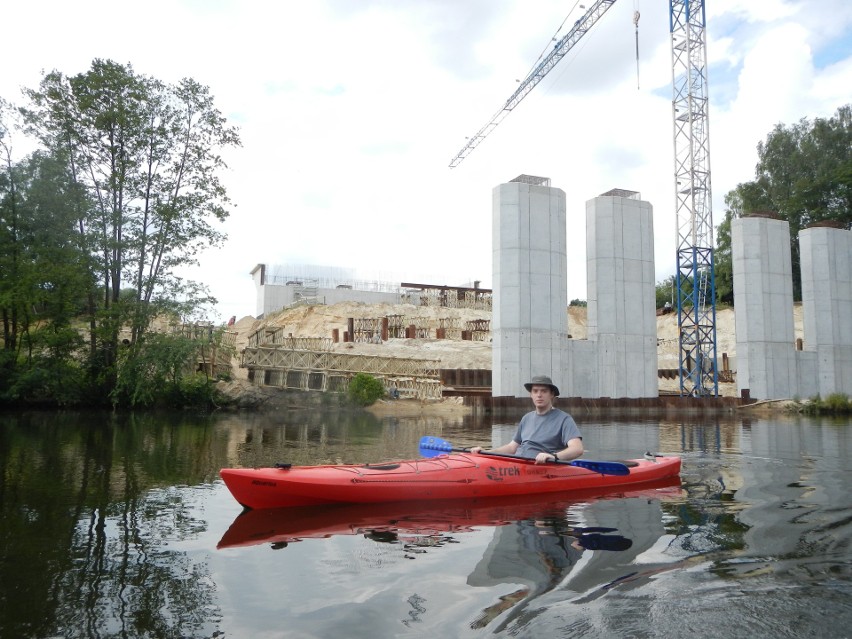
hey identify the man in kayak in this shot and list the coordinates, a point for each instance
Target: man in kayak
(545, 434)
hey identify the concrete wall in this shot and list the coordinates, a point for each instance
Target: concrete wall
(271, 298)
(529, 323)
(580, 374)
(763, 290)
(826, 255)
(767, 363)
(621, 295)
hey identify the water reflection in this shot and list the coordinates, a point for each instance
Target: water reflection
(87, 515)
(109, 526)
(535, 541)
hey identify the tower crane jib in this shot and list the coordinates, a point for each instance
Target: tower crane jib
(696, 291)
(560, 49)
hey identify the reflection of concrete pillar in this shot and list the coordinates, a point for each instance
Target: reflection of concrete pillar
(763, 297)
(826, 257)
(529, 319)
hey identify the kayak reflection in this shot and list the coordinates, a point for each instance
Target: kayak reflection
(387, 522)
(538, 545)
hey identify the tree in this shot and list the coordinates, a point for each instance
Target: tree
(365, 389)
(147, 157)
(723, 258)
(42, 276)
(804, 174)
(665, 292)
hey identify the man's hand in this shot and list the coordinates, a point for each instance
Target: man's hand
(543, 458)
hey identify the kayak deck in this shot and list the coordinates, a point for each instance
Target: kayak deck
(457, 476)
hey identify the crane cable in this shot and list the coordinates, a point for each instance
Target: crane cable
(553, 38)
(636, 24)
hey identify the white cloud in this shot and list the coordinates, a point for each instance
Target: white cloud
(351, 111)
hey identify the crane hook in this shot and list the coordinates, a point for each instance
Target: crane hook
(636, 23)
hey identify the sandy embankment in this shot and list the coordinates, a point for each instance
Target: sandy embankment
(320, 321)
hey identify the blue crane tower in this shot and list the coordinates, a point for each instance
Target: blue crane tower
(695, 282)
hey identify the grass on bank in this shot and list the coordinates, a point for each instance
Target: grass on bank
(834, 404)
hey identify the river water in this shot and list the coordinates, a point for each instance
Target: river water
(118, 526)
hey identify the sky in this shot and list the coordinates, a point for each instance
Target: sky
(350, 112)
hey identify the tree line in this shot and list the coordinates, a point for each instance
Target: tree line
(804, 176)
(122, 191)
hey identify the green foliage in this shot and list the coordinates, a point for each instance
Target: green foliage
(49, 381)
(665, 292)
(193, 391)
(365, 389)
(578, 302)
(123, 192)
(834, 404)
(158, 371)
(723, 260)
(804, 174)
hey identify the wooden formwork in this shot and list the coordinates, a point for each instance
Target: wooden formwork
(215, 347)
(448, 297)
(413, 327)
(277, 336)
(396, 326)
(480, 330)
(330, 371)
(366, 329)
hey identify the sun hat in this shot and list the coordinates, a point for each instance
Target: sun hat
(541, 380)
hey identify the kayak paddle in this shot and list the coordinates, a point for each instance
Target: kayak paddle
(434, 446)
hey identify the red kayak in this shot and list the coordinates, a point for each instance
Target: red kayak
(456, 476)
(381, 522)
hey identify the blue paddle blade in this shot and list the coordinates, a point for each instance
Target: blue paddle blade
(596, 541)
(602, 467)
(434, 446)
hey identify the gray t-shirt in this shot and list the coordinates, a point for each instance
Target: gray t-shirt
(548, 433)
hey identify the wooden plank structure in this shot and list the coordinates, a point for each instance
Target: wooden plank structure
(276, 336)
(464, 382)
(479, 330)
(326, 371)
(214, 347)
(447, 296)
(371, 329)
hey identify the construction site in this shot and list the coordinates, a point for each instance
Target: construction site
(524, 324)
(427, 344)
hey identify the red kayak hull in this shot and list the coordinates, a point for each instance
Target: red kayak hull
(458, 476)
(279, 526)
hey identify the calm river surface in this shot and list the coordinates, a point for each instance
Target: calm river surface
(119, 526)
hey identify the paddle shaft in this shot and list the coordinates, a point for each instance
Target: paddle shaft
(604, 468)
(508, 456)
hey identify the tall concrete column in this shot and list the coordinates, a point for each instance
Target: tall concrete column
(826, 256)
(529, 322)
(621, 293)
(763, 296)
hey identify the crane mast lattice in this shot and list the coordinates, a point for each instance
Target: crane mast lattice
(696, 290)
(695, 281)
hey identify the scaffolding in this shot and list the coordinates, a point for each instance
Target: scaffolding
(327, 371)
(215, 347)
